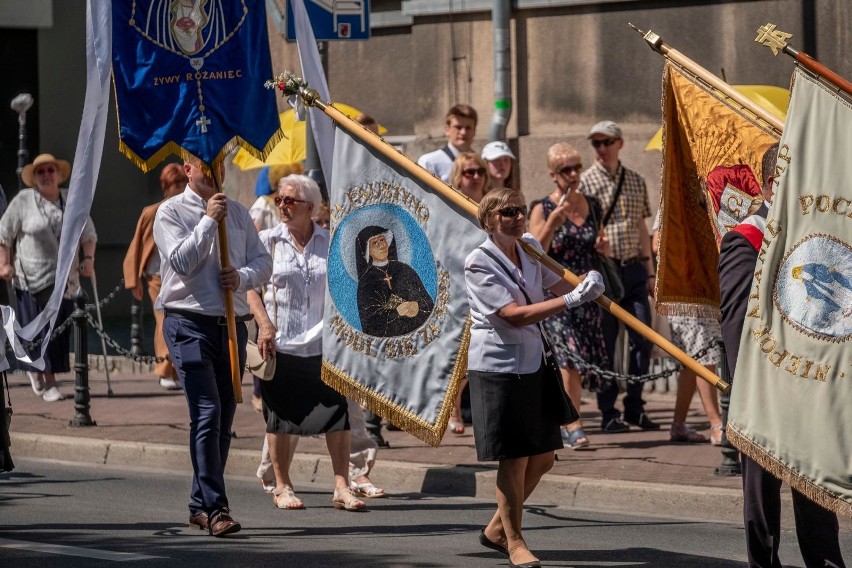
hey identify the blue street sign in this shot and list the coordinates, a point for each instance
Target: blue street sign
(334, 19)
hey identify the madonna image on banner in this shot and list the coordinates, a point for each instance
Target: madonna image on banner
(813, 291)
(385, 282)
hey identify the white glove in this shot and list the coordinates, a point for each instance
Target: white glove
(590, 288)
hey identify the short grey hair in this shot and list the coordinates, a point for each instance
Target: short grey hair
(308, 189)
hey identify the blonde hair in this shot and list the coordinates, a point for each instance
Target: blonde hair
(456, 174)
(561, 150)
(494, 200)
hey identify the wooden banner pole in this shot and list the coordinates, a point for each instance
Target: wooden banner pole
(470, 207)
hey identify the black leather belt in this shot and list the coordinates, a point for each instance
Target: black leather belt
(632, 260)
(203, 319)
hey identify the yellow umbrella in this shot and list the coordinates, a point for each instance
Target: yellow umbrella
(291, 150)
(774, 99)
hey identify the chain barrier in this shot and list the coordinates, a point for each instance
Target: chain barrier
(146, 359)
(607, 374)
(57, 331)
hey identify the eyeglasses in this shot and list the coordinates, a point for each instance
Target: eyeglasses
(288, 201)
(565, 170)
(471, 172)
(512, 212)
(47, 170)
(604, 142)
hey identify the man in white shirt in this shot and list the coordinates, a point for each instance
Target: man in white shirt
(191, 296)
(460, 130)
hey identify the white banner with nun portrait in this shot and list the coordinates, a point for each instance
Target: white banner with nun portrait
(396, 315)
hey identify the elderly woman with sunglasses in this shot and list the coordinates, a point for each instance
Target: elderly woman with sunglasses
(515, 420)
(296, 401)
(567, 224)
(29, 251)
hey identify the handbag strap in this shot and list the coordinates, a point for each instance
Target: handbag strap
(502, 265)
(615, 197)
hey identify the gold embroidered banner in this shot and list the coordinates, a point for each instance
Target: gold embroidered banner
(790, 404)
(710, 182)
(396, 314)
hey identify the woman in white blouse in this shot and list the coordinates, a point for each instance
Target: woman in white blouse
(514, 420)
(29, 249)
(296, 401)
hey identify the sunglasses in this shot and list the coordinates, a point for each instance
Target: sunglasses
(47, 170)
(470, 172)
(604, 142)
(288, 201)
(565, 170)
(512, 212)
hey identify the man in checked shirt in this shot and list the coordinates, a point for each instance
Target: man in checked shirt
(609, 181)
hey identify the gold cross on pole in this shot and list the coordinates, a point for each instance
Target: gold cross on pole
(772, 38)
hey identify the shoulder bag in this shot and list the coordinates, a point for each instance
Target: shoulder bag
(554, 388)
(605, 265)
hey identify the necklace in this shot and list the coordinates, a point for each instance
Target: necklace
(387, 277)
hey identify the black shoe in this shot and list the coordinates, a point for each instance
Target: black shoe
(378, 439)
(643, 422)
(488, 543)
(615, 426)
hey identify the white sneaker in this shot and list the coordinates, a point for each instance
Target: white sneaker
(52, 395)
(169, 384)
(35, 382)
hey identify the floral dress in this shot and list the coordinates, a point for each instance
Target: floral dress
(577, 331)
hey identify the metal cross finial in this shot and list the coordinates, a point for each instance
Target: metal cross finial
(772, 38)
(203, 122)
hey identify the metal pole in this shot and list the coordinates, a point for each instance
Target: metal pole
(502, 69)
(136, 329)
(21, 104)
(101, 323)
(81, 363)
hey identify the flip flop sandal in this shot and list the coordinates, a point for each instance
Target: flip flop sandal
(285, 498)
(575, 439)
(351, 504)
(366, 489)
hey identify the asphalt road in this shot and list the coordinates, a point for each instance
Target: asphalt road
(69, 515)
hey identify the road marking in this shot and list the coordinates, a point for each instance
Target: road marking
(73, 551)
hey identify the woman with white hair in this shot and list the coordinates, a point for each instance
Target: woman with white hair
(296, 401)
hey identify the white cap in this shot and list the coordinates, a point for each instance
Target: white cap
(607, 128)
(497, 149)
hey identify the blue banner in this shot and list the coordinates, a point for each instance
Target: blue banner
(189, 79)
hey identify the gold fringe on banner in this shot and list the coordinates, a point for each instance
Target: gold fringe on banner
(430, 433)
(770, 463)
(173, 148)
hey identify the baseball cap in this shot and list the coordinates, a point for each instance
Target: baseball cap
(607, 128)
(497, 149)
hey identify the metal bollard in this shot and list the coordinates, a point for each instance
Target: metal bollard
(81, 365)
(136, 329)
(730, 466)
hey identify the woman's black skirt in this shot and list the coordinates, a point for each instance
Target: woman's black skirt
(511, 418)
(28, 307)
(296, 401)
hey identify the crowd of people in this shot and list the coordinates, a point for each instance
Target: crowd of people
(531, 331)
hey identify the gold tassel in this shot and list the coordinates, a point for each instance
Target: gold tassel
(430, 433)
(819, 495)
